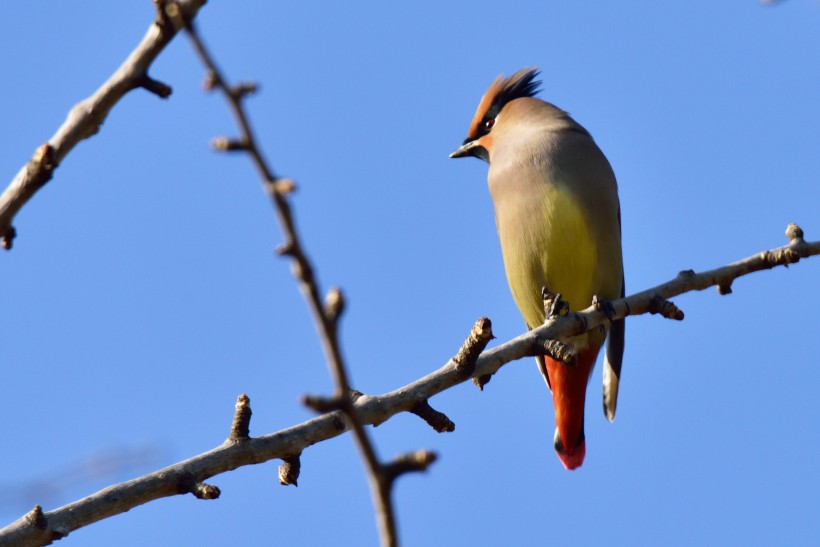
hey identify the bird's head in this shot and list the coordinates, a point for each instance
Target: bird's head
(489, 118)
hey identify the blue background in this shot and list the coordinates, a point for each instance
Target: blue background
(143, 295)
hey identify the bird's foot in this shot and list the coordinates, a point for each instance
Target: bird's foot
(558, 351)
(554, 305)
(604, 305)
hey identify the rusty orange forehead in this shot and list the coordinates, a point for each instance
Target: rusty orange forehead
(484, 105)
(500, 92)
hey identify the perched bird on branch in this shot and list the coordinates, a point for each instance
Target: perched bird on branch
(558, 220)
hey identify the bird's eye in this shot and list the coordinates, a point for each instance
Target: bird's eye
(488, 124)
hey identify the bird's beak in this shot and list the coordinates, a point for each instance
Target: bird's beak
(469, 148)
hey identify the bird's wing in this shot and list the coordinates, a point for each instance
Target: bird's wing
(612, 364)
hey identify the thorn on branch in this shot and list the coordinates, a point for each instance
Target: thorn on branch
(204, 491)
(467, 356)
(416, 461)
(665, 308)
(724, 288)
(160, 89)
(224, 144)
(435, 419)
(240, 428)
(289, 470)
(686, 274)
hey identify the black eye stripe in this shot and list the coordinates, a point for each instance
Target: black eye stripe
(524, 86)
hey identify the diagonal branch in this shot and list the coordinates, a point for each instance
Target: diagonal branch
(86, 117)
(326, 315)
(39, 528)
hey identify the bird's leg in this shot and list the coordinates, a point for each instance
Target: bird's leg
(558, 351)
(554, 305)
(604, 305)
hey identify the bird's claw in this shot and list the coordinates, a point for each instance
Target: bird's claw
(604, 305)
(554, 305)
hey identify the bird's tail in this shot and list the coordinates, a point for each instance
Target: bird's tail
(568, 384)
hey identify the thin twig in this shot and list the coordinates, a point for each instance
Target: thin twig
(86, 117)
(325, 315)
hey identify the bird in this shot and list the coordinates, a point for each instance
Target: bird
(558, 219)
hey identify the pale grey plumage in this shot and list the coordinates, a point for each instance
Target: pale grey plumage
(558, 219)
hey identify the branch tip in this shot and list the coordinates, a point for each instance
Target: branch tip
(289, 470)
(160, 89)
(321, 404)
(665, 308)
(7, 238)
(411, 462)
(224, 144)
(483, 380)
(175, 15)
(240, 428)
(204, 491)
(211, 80)
(435, 419)
(243, 89)
(285, 249)
(282, 187)
(794, 233)
(467, 357)
(162, 20)
(334, 304)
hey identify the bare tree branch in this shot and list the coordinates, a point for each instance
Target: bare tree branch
(86, 117)
(346, 409)
(326, 315)
(38, 528)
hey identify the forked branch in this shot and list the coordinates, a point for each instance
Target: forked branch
(39, 528)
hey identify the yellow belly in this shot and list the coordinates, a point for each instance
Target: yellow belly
(555, 249)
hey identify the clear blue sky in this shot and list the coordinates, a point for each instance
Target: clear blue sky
(143, 295)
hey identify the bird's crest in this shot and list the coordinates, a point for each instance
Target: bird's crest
(500, 92)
